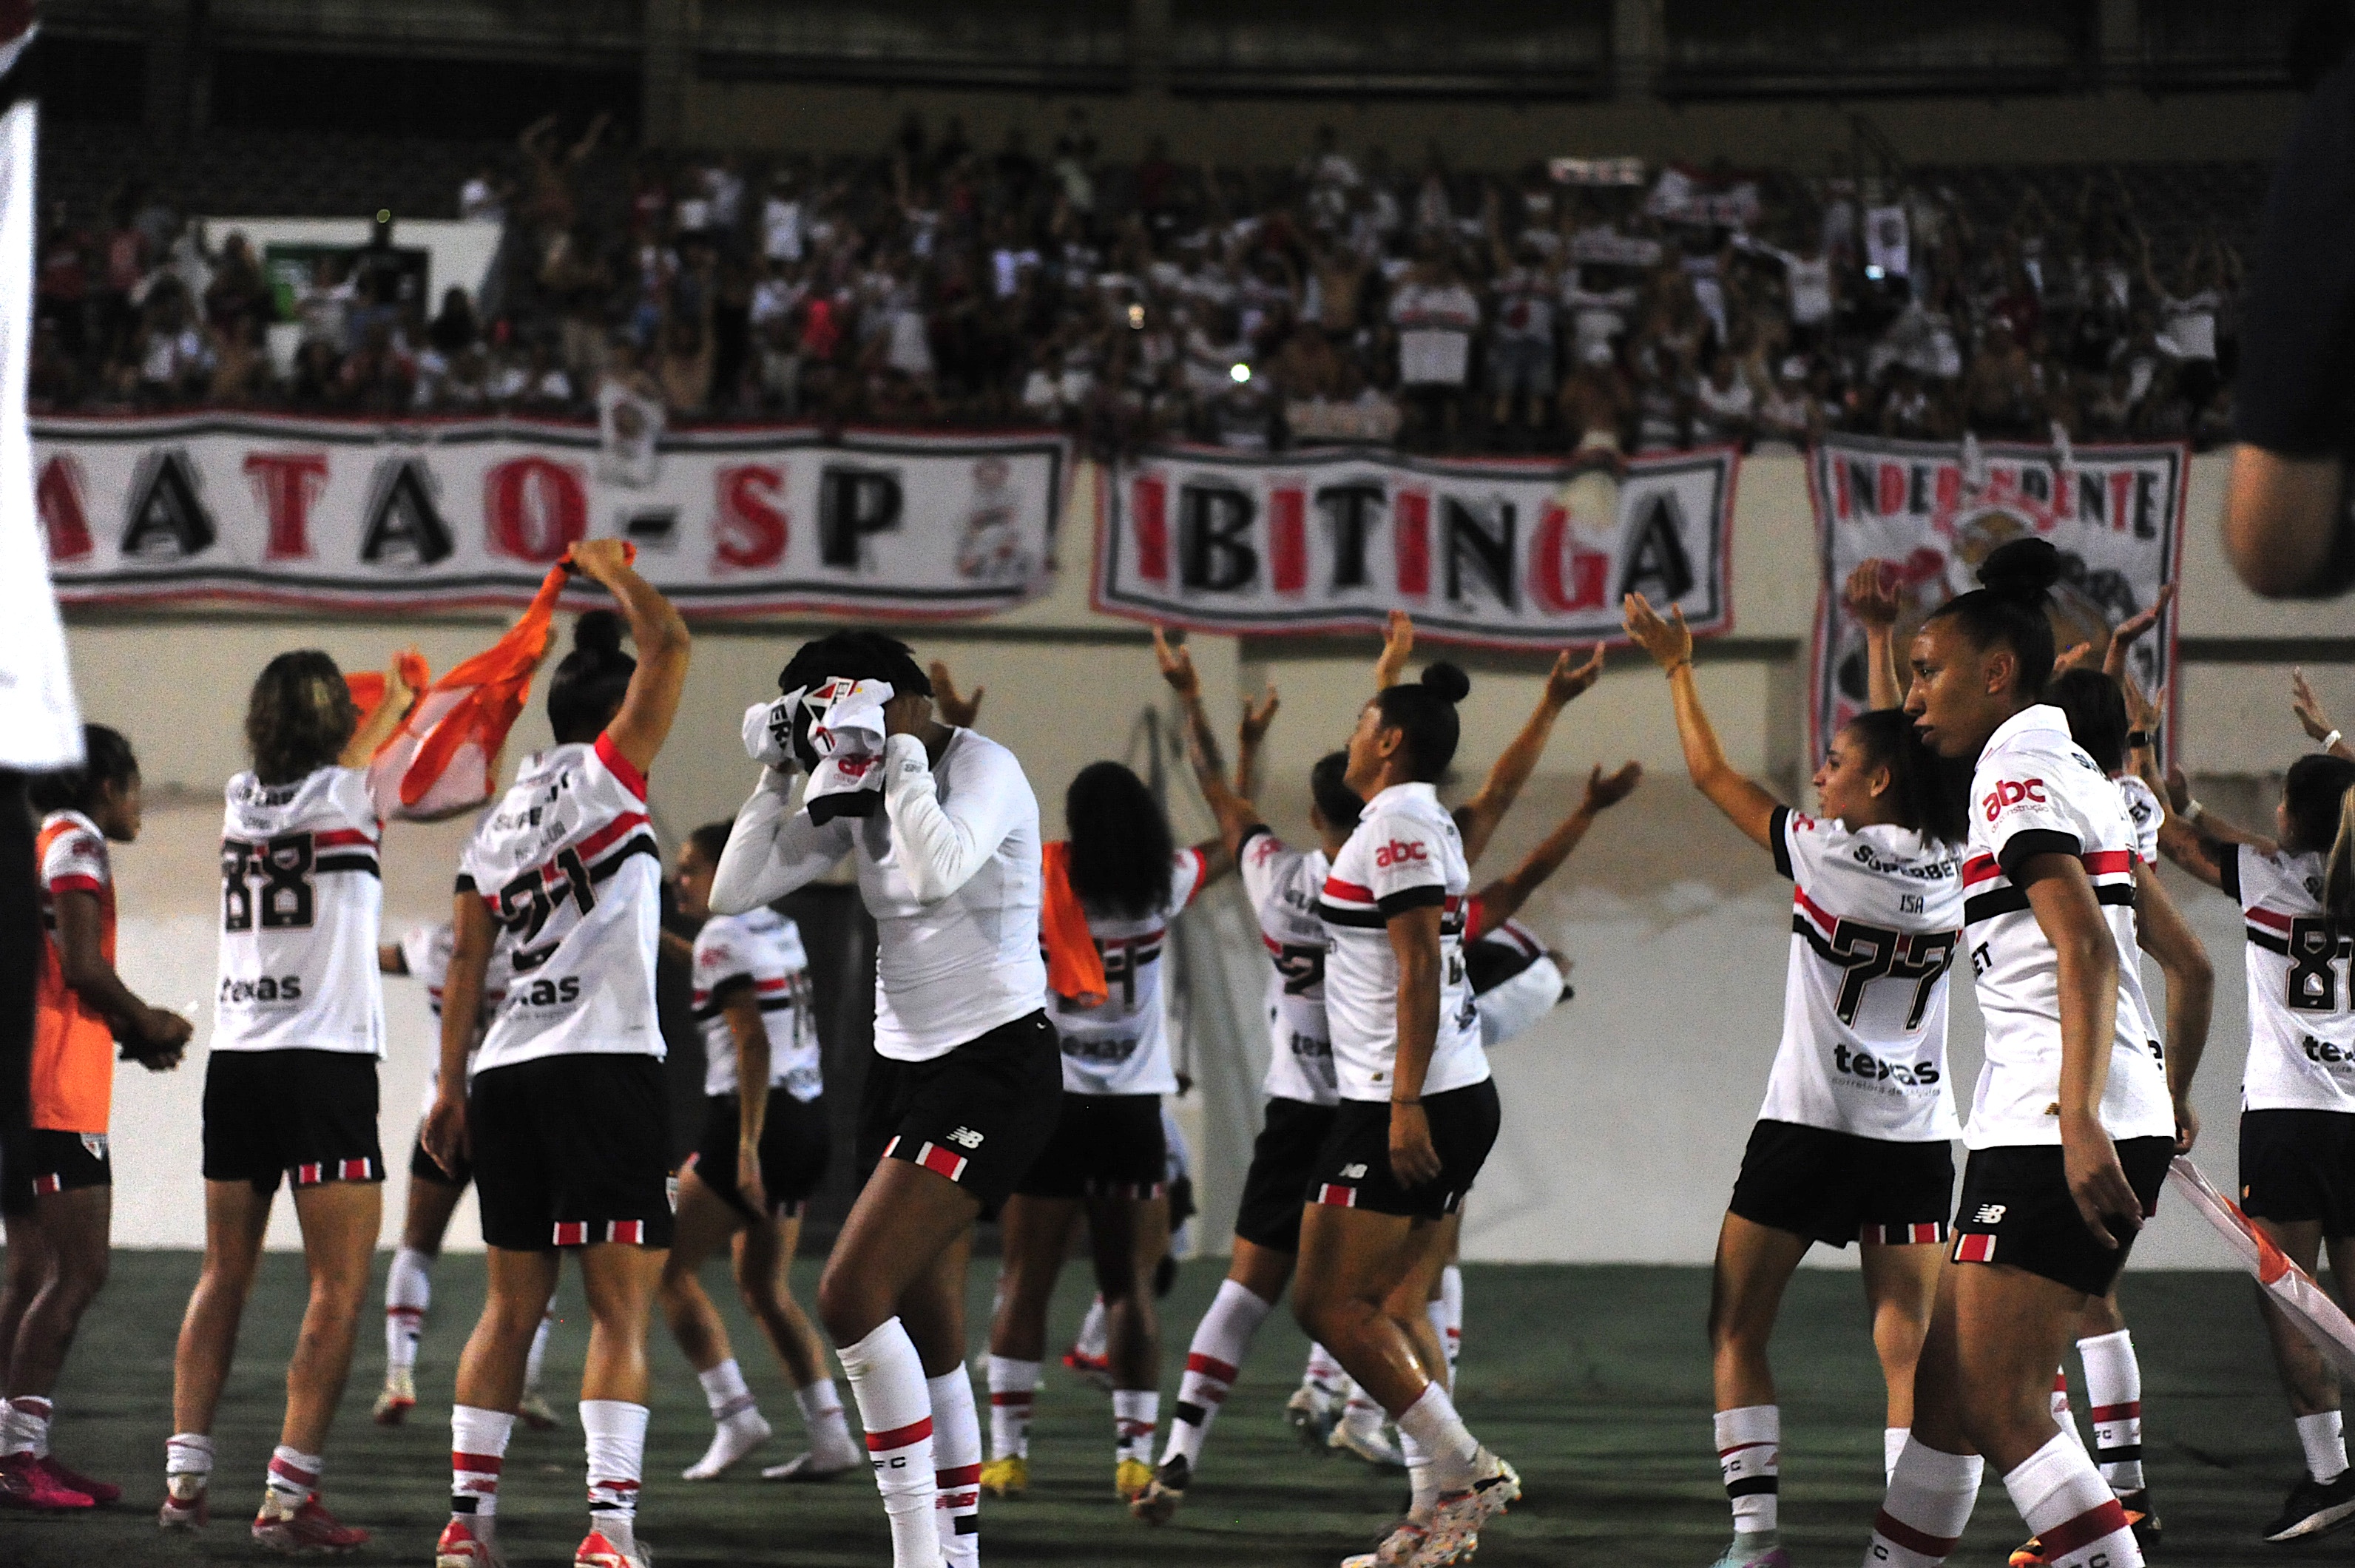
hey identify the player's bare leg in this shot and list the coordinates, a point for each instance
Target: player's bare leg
(762, 1264)
(236, 1217)
(1037, 1233)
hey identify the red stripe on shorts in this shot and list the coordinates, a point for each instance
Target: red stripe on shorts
(941, 1161)
(1978, 1247)
(1338, 1196)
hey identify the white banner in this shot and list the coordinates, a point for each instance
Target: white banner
(2115, 513)
(1499, 553)
(368, 517)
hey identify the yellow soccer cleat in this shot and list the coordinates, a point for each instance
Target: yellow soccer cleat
(1131, 1479)
(1008, 1477)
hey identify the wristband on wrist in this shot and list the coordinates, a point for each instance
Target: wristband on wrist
(1684, 663)
(2142, 740)
(2330, 739)
(2194, 811)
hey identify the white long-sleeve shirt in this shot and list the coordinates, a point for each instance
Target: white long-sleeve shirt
(948, 868)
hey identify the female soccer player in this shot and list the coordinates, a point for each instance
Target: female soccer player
(290, 1087)
(563, 876)
(1418, 1112)
(434, 1194)
(2071, 1129)
(59, 1197)
(2296, 893)
(1108, 1159)
(961, 1094)
(761, 1155)
(1851, 1142)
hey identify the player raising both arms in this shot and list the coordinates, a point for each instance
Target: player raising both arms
(2070, 1128)
(562, 884)
(58, 1200)
(943, 828)
(291, 1084)
(1851, 1142)
(760, 1156)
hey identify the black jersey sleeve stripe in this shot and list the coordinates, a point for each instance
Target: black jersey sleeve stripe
(2014, 900)
(1431, 895)
(2258, 937)
(2025, 847)
(2228, 869)
(349, 862)
(1778, 838)
(1361, 919)
(637, 844)
(465, 888)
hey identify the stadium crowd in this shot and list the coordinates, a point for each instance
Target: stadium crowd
(1340, 299)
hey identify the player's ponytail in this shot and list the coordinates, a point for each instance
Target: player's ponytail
(299, 717)
(1425, 712)
(2338, 872)
(106, 759)
(588, 685)
(2008, 609)
(1922, 783)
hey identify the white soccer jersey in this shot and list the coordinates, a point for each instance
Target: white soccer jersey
(1284, 884)
(1123, 1047)
(762, 949)
(2301, 990)
(301, 894)
(567, 865)
(950, 870)
(1876, 915)
(2036, 792)
(1405, 854)
(426, 949)
(1514, 980)
(2144, 811)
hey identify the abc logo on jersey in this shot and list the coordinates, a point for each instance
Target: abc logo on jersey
(2008, 792)
(1395, 853)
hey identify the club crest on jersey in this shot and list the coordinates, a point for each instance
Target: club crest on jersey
(1398, 853)
(2009, 792)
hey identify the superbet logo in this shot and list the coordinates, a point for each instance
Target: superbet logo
(1395, 853)
(2008, 792)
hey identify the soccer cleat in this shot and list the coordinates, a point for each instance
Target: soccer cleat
(1092, 1370)
(1397, 1549)
(185, 1506)
(596, 1552)
(736, 1436)
(1454, 1532)
(1773, 1557)
(25, 1483)
(1373, 1441)
(302, 1530)
(398, 1399)
(536, 1412)
(2315, 1508)
(1131, 1478)
(1311, 1414)
(1008, 1477)
(1161, 1497)
(460, 1547)
(100, 1492)
(809, 1466)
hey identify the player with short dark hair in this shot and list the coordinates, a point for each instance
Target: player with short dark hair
(563, 878)
(291, 1082)
(59, 1196)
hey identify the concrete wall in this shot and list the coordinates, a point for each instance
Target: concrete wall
(1627, 1108)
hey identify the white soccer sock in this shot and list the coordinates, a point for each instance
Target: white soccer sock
(1454, 1452)
(1323, 1374)
(187, 1464)
(1360, 1412)
(2114, 1390)
(2070, 1508)
(2325, 1443)
(726, 1391)
(24, 1425)
(478, 1448)
(822, 1417)
(1135, 1414)
(292, 1473)
(887, 1380)
(1892, 1444)
(1220, 1341)
(1451, 1297)
(956, 1468)
(1094, 1336)
(614, 1433)
(1423, 1484)
(1750, 1458)
(1013, 1386)
(1931, 1494)
(408, 1292)
(536, 1356)
(2061, 1416)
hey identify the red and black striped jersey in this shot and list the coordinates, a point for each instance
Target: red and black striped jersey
(2035, 792)
(1123, 1046)
(762, 951)
(2301, 990)
(567, 865)
(1284, 884)
(301, 894)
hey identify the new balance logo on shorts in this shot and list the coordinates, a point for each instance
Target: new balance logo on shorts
(966, 1138)
(1354, 1172)
(1988, 1215)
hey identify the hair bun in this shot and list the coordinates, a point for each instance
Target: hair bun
(2024, 568)
(597, 632)
(1445, 681)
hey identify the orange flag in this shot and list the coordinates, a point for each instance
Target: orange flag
(1074, 968)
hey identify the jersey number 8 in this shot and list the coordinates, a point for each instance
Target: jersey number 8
(2314, 985)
